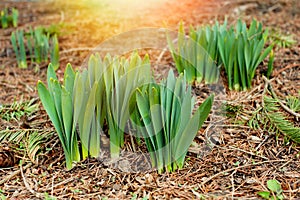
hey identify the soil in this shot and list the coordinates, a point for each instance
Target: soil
(238, 165)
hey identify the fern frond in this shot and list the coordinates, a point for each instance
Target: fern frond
(18, 109)
(278, 122)
(282, 41)
(29, 140)
(270, 118)
(293, 103)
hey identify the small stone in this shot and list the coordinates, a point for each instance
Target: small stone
(255, 138)
(149, 178)
(117, 187)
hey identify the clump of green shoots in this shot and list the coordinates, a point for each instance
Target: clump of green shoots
(281, 40)
(86, 99)
(54, 52)
(116, 91)
(241, 51)
(162, 115)
(121, 79)
(197, 54)
(37, 45)
(9, 19)
(238, 50)
(58, 103)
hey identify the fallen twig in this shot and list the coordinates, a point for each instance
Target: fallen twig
(242, 150)
(280, 103)
(285, 68)
(78, 49)
(236, 168)
(15, 173)
(38, 195)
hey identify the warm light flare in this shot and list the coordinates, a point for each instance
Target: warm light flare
(133, 4)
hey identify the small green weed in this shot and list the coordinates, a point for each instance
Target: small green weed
(274, 192)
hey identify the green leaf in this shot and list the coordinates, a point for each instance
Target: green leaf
(78, 98)
(270, 64)
(14, 45)
(49, 106)
(54, 53)
(50, 74)
(184, 140)
(264, 194)
(67, 115)
(274, 186)
(89, 131)
(56, 92)
(15, 15)
(69, 78)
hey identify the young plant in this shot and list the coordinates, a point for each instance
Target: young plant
(162, 115)
(197, 54)
(241, 51)
(4, 18)
(41, 45)
(54, 54)
(88, 98)
(18, 44)
(121, 78)
(7, 19)
(71, 104)
(58, 103)
(280, 40)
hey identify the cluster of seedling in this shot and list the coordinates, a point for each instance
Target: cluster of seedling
(122, 94)
(118, 91)
(9, 19)
(37, 45)
(207, 50)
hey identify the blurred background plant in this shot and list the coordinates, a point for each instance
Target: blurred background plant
(9, 17)
(37, 45)
(281, 40)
